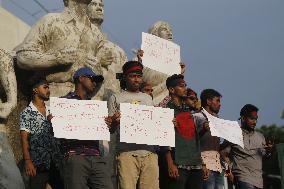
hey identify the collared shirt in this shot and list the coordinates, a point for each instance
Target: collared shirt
(247, 162)
(59, 33)
(79, 147)
(42, 145)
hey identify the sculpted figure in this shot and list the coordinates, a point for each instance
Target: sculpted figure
(61, 43)
(10, 177)
(107, 52)
(157, 79)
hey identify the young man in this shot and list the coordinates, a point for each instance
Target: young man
(83, 166)
(137, 164)
(38, 143)
(191, 99)
(184, 161)
(247, 162)
(210, 145)
(147, 88)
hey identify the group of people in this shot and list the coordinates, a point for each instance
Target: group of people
(68, 51)
(198, 160)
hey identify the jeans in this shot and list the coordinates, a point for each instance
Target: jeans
(188, 179)
(85, 172)
(214, 181)
(245, 185)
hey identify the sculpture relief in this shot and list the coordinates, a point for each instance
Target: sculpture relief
(10, 176)
(157, 79)
(59, 44)
(107, 52)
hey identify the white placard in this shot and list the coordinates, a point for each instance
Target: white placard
(146, 125)
(79, 119)
(229, 130)
(160, 54)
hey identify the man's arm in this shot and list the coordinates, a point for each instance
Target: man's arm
(35, 52)
(172, 168)
(29, 166)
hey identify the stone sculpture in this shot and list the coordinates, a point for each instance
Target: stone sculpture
(59, 44)
(10, 177)
(107, 51)
(157, 79)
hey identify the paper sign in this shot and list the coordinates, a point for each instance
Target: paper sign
(160, 54)
(146, 125)
(229, 130)
(79, 119)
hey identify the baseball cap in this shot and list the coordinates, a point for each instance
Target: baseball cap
(88, 73)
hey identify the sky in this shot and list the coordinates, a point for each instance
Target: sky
(233, 46)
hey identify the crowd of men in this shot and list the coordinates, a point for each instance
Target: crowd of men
(198, 160)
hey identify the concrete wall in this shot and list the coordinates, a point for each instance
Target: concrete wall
(12, 30)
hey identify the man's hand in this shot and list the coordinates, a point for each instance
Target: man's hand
(49, 117)
(30, 168)
(205, 172)
(113, 121)
(174, 122)
(229, 175)
(140, 55)
(206, 125)
(173, 171)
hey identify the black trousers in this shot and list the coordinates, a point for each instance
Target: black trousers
(188, 179)
(86, 172)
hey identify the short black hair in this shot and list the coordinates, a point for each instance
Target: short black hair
(35, 80)
(247, 110)
(189, 92)
(208, 94)
(171, 81)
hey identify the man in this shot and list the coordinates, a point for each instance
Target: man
(191, 99)
(38, 144)
(137, 164)
(184, 161)
(83, 165)
(61, 43)
(210, 145)
(247, 161)
(147, 88)
(10, 177)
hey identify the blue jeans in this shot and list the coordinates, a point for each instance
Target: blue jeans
(245, 185)
(214, 181)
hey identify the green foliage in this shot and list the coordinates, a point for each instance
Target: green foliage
(273, 133)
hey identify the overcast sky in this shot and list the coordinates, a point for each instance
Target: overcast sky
(233, 46)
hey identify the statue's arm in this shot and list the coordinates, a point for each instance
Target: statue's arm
(35, 52)
(9, 83)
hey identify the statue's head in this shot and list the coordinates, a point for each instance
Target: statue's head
(95, 11)
(66, 2)
(162, 29)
